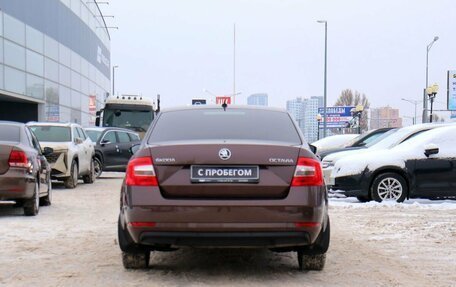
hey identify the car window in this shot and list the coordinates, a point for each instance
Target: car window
(94, 135)
(134, 137)
(234, 124)
(51, 133)
(111, 137)
(81, 134)
(370, 139)
(10, 133)
(123, 137)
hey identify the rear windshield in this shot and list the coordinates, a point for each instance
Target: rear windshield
(93, 135)
(10, 133)
(216, 124)
(52, 133)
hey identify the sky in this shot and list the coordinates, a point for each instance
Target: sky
(179, 48)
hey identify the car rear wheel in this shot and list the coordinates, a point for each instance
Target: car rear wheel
(47, 200)
(72, 180)
(98, 167)
(90, 178)
(135, 260)
(389, 187)
(32, 205)
(311, 262)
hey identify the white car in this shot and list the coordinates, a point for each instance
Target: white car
(332, 142)
(385, 141)
(424, 166)
(74, 152)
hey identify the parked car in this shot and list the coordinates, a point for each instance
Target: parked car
(386, 141)
(423, 166)
(25, 175)
(209, 177)
(112, 148)
(333, 142)
(359, 142)
(74, 152)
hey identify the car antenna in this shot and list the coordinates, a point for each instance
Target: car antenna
(224, 105)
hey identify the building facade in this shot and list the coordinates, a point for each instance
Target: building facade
(305, 111)
(54, 60)
(258, 100)
(385, 117)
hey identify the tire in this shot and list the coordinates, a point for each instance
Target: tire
(98, 167)
(363, 198)
(32, 205)
(72, 180)
(90, 178)
(135, 260)
(47, 200)
(389, 186)
(311, 262)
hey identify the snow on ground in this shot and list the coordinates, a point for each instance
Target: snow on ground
(74, 243)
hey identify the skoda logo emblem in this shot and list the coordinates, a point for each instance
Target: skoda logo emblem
(224, 154)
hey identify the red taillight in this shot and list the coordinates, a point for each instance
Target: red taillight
(308, 173)
(140, 172)
(142, 224)
(306, 224)
(18, 158)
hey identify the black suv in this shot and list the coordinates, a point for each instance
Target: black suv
(112, 149)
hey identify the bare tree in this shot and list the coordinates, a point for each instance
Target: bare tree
(353, 98)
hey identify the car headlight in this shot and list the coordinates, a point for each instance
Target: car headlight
(326, 164)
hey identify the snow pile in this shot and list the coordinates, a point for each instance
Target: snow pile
(353, 203)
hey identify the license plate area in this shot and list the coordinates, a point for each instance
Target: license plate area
(224, 174)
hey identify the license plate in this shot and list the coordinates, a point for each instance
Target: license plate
(204, 173)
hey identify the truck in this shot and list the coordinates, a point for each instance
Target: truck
(127, 111)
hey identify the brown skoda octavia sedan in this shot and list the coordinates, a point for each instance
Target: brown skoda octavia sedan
(239, 177)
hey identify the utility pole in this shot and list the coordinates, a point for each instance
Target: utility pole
(234, 63)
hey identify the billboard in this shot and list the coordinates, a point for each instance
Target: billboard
(196, 102)
(223, 99)
(336, 117)
(451, 97)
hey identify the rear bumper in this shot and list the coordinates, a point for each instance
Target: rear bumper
(16, 184)
(226, 239)
(230, 223)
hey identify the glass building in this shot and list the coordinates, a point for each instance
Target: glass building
(257, 100)
(54, 60)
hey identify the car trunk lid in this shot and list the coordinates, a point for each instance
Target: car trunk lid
(227, 177)
(5, 150)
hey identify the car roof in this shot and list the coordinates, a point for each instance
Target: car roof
(11, 123)
(102, 129)
(56, 124)
(229, 107)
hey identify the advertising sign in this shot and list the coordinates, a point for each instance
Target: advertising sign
(336, 117)
(451, 90)
(223, 99)
(196, 102)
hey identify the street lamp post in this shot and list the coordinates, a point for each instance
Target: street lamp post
(326, 62)
(432, 92)
(415, 103)
(425, 103)
(113, 79)
(318, 126)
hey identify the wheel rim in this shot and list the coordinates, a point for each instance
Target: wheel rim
(37, 196)
(75, 175)
(97, 168)
(389, 189)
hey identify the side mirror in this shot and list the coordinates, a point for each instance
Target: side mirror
(313, 148)
(104, 142)
(430, 149)
(78, 141)
(134, 149)
(47, 151)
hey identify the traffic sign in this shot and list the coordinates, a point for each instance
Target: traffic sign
(223, 99)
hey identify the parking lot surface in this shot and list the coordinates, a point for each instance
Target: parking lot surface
(74, 243)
